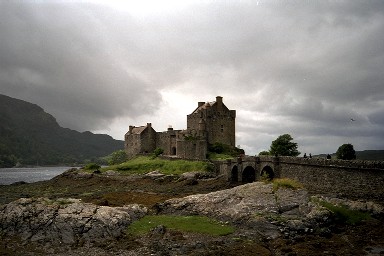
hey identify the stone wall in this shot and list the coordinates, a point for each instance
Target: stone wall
(132, 144)
(350, 179)
(194, 149)
(167, 141)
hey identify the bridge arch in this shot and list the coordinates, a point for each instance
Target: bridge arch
(235, 174)
(267, 173)
(249, 174)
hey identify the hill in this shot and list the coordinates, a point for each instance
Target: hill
(373, 155)
(30, 136)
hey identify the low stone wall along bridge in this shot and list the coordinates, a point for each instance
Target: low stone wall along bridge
(352, 179)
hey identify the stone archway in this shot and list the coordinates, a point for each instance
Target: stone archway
(235, 174)
(267, 173)
(249, 174)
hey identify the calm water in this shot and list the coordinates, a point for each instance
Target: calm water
(11, 175)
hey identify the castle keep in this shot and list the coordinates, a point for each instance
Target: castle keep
(209, 123)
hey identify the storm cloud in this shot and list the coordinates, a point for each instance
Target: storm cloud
(299, 67)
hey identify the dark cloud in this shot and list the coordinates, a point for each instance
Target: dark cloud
(297, 67)
(58, 56)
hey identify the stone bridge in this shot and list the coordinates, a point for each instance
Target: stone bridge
(352, 179)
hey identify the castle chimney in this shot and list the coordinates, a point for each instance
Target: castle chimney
(219, 100)
(131, 128)
(149, 125)
(200, 103)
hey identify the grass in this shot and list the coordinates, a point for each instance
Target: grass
(344, 214)
(286, 183)
(143, 164)
(221, 156)
(195, 224)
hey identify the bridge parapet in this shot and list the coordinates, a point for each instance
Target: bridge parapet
(350, 164)
(357, 178)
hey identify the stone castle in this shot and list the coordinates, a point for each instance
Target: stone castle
(209, 123)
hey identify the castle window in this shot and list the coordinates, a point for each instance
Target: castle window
(222, 128)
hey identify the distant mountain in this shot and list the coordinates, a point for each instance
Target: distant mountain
(373, 155)
(30, 136)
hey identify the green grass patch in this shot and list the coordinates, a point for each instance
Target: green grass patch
(217, 156)
(344, 214)
(286, 183)
(195, 224)
(143, 164)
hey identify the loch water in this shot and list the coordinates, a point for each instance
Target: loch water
(12, 175)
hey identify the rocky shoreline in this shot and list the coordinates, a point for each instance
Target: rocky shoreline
(267, 221)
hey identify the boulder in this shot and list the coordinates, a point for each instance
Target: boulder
(65, 221)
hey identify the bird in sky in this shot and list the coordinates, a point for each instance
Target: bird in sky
(352, 120)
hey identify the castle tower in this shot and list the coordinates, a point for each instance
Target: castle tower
(217, 119)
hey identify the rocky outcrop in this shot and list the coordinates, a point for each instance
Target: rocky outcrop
(65, 221)
(273, 213)
(242, 202)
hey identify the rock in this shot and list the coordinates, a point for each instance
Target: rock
(257, 205)
(234, 204)
(154, 174)
(189, 176)
(75, 174)
(111, 173)
(65, 221)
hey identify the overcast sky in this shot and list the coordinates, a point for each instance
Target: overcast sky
(299, 67)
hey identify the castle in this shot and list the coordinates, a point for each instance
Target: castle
(209, 123)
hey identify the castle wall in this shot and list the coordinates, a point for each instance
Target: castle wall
(167, 141)
(193, 149)
(221, 127)
(144, 142)
(219, 123)
(132, 145)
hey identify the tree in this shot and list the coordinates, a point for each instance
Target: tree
(346, 152)
(117, 157)
(264, 153)
(284, 146)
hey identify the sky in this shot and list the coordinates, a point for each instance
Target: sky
(305, 68)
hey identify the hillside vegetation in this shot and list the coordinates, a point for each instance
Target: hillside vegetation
(145, 164)
(30, 136)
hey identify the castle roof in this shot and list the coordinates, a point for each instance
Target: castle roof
(204, 106)
(138, 130)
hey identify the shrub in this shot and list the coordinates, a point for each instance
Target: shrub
(223, 151)
(264, 153)
(344, 214)
(92, 166)
(157, 152)
(286, 183)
